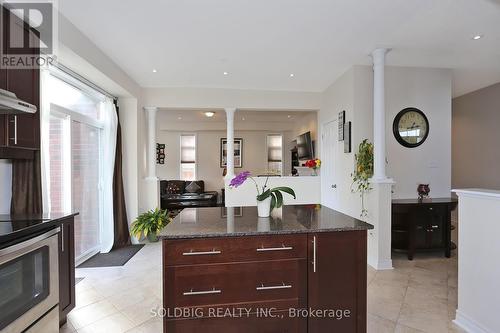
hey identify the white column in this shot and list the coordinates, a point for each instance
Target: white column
(151, 119)
(230, 142)
(379, 114)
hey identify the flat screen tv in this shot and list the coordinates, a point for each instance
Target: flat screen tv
(305, 146)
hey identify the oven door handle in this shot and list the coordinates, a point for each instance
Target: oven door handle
(29, 242)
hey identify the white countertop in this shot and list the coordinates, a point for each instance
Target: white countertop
(478, 191)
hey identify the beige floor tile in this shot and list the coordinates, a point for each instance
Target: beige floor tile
(386, 308)
(406, 329)
(143, 311)
(151, 326)
(116, 323)
(426, 289)
(418, 298)
(392, 277)
(87, 296)
(131, 297)
(425, 317)
(91, 313)
(377, 324)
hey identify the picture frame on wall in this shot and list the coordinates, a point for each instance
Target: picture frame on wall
(238, 152)
(341, 123)
(160, 153)
(347, 137)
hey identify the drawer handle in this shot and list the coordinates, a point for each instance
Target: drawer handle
(282, 286)
(201, 253)
(204, 292)
(282, 248)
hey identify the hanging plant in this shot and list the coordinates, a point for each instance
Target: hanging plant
(363, 172)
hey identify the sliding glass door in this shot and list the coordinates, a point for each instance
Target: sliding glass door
(85, 180)
(73, 161)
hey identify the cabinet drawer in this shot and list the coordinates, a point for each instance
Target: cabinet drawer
(231, 249)
(251, 324)
(199, 286)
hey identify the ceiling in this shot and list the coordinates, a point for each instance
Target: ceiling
(251, 116)
(191, 43)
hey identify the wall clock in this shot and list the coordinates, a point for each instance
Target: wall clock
(410, 127)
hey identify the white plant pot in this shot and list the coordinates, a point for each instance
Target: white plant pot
(264, 207)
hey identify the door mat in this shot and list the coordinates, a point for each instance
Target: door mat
(117, 257)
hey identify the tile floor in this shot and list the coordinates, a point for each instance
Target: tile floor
(417, 296)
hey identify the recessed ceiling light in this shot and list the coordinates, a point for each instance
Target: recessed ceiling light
(154, 71)
(180, 118)
(243, 118)
(477, 37)
(289, 116)
(209, 114)
(292, 75)
(225, 73)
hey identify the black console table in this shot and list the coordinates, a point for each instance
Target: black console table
(422, 225)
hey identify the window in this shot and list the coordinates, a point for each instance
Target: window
(188, 157)
(274, 154)
(74, 123)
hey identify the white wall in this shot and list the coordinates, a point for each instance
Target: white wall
(425, 88)
(208, 149)
(307, 191)
(221, 98)
(429, 90)
(5, 186)
(338, 97)
(478, 269)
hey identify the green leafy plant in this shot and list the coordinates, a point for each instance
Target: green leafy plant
(363, 172)
(149, 223)
(274, 193)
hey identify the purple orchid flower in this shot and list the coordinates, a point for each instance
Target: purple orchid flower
(239, 179)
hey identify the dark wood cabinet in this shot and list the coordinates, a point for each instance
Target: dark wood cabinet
(337, 281)
(20, 134)
(320, 271)
(66, 268)
(422, 225)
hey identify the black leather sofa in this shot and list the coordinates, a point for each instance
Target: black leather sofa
(178, 194)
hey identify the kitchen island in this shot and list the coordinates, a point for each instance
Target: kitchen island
(301, 270)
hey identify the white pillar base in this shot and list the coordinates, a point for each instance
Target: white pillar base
(379, 238)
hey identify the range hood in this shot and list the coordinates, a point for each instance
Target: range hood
(10, 104)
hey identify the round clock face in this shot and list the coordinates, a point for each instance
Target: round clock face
(411, 127)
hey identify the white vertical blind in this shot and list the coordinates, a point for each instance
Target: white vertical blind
(188, 157)
(274, 153)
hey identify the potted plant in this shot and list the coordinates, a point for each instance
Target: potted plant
(314, 165)
(149, 223)
(363, 172)
(267, 198)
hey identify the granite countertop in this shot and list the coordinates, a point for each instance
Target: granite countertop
(17, 228)
(214, 222)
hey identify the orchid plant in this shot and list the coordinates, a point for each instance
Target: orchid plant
(263, 193)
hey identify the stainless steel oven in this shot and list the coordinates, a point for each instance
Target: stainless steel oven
(29, 285)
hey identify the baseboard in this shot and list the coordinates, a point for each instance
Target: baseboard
(469, 325)
(380, 265)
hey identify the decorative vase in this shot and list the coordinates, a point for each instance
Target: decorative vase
(264, 207)
(152, 237)
(423, 191)
(263, 224)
